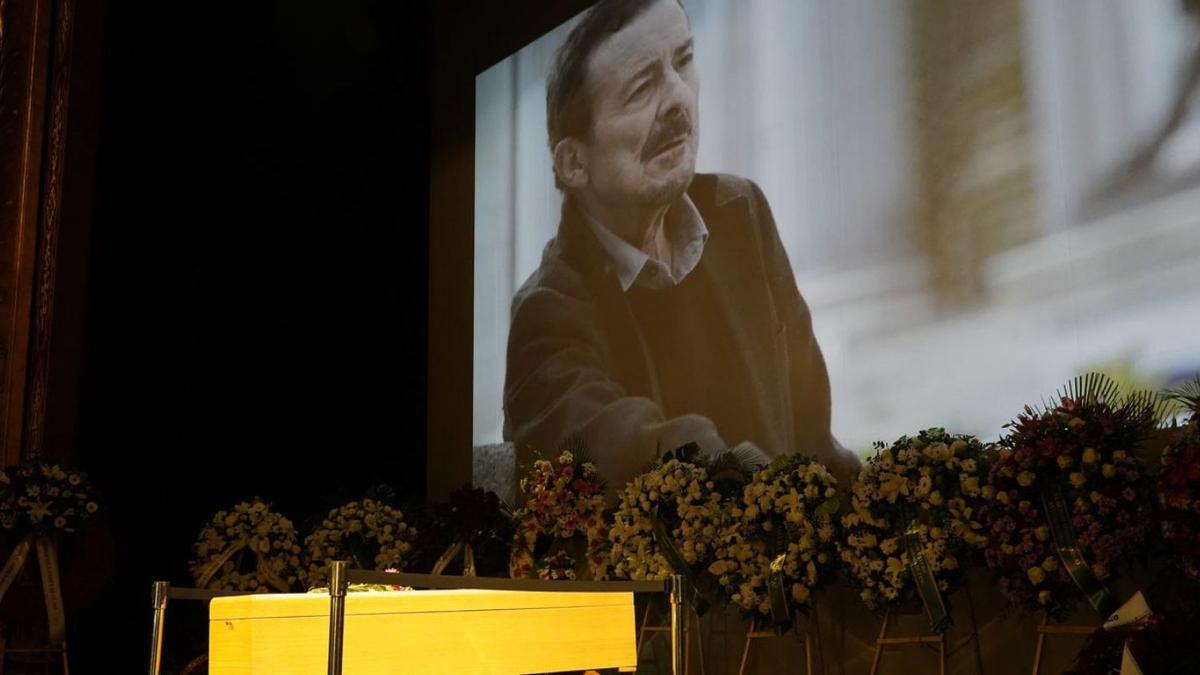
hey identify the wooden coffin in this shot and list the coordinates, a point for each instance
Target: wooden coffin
(437, 631)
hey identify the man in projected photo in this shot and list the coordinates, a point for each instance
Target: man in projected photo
(664, 311)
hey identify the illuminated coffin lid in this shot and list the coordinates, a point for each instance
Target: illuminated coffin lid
(459, 631)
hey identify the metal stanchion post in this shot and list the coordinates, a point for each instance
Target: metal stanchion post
(337, 614)
(677, 624)
(161, 588)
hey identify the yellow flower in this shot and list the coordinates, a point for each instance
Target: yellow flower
(1119, 456)
(1108, 470)
(1036, 575)
(1042, 533)
(1077, 479)
(935, 498)
(924, 485)
(1100, 571)
(950, 562)
(1090, 456)
(1065, 461)
(970, 485)
(892, 486)
(1043, 597)
(38, 511)
(988, 492)
(1002, 497)
(800, 593)
(1050, 564)
(1025, 478)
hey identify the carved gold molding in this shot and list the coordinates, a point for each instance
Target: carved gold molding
(35, 40)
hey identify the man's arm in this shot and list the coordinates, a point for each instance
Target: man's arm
(558, 384)
(807, 375)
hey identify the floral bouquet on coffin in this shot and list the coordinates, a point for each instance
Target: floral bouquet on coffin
(369, 533)
(247, 548)
(1179, 487)
(367, 588)
(779, 545)
(1067, 502)
(912, 522)
(560, 530)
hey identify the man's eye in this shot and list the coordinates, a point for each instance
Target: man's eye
(685, 60)
(639, 91)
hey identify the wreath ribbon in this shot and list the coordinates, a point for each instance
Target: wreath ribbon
(1058, 517)
(16, 561)
(266, 573)
(47, 554)
(781, 611)
(260, 567)
(210, 570)
(666, 546)
(922, 574)
(452, 551)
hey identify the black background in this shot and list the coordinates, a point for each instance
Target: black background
(256, 295)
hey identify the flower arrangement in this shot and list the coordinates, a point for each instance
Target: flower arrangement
(780, 543)
(1067, 503)
(912, 522)
(475, 525)
(247, 548)
(1179, 487)
(1159, 641)
(668, 519)
(367, 588)
(40, 497)
(560, 531)
(369, 533)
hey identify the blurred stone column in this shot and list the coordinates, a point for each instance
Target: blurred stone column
(975, 161)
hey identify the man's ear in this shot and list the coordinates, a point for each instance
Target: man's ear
(570, 163)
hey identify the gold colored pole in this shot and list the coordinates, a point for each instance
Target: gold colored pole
(879, 643)
(942, 654)
(161, 589)
(974, 632)
(1041, 642)
(337, 614)
(677, 624)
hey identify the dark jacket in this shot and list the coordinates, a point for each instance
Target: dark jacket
(579, 364)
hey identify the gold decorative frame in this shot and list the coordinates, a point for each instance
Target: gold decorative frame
(36, 37)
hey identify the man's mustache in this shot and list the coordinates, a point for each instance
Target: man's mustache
(670, 131)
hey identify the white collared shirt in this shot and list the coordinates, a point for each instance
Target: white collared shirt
(686, 234)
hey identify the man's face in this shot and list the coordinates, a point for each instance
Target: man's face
(642, 89)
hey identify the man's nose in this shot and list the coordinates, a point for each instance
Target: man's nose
(677, 98)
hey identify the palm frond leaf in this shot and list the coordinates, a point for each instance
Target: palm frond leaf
(1186, 396)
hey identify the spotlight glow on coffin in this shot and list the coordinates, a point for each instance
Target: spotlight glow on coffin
(439, 631)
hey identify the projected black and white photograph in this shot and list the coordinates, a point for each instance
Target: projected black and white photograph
(804, 226)
(775, 229)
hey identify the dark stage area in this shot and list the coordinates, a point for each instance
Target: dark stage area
(256, 296)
